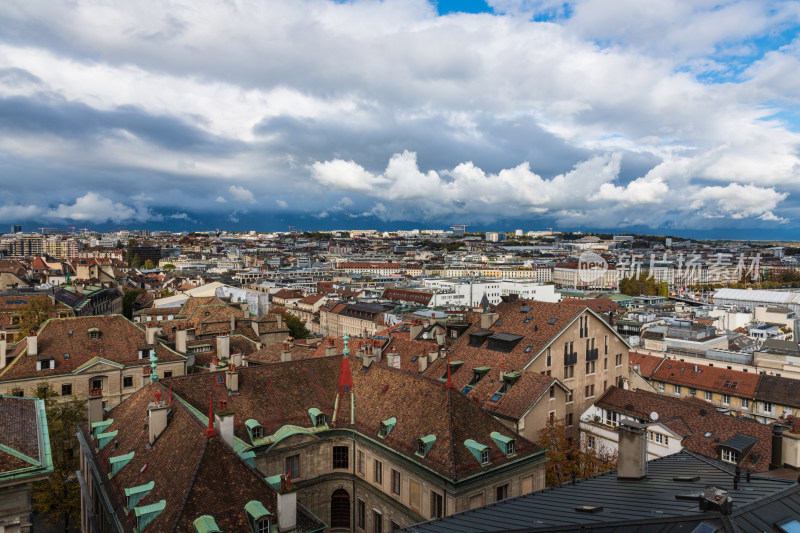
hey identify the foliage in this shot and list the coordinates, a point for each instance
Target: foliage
(296, 326)
(643, 284)
(127, 302)
(169, 267)
(35, 313)
(568, 458)
(148, 265)
(129, 251)
(58, 497)
(18, 391)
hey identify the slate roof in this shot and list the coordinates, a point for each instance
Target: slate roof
(281, 394)
(195, 474)
(648, 505)
(696, 418)
(120, 341)
(779, 390)
(710, 378)
(24, 442)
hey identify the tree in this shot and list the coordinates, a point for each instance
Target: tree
(127, 302)
(58, 497)
(35, 313)
(169, 267)
(129, 252)
(568, 458)
(643, 284)
(135, 262)
(148, 265)
(296, 326)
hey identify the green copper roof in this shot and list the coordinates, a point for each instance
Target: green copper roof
(387, 426)
(99, 427)
(119, 462)
(475, 449)
(135, 494)
(105, 438)
(256, 509)
(147, 513)
(206, 524)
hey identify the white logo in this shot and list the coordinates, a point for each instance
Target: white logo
(591, 267)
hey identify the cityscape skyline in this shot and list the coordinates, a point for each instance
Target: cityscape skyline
(323, 114)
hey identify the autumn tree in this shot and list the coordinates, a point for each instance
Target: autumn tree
(296, 326)
(35, 313)
(568, 458)
(148, 265)
(58, 498)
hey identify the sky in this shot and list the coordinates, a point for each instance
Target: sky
(665, 116)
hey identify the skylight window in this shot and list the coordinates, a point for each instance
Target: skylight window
(552, 321)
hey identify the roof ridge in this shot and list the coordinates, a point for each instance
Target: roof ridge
(188, 492)
(449, 393)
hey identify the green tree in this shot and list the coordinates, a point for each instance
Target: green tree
(34, 314)
(135, 262)
(148, 265)
(129, 252)
(127, 302)
(169, 267)
(58, 497)
(296, 326)
(568, 458)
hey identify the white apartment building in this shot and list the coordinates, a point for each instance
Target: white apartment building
(460, 292)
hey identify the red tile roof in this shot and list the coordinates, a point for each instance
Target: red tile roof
(710, 378)
(647, 363)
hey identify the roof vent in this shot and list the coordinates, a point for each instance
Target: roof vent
(590, 509)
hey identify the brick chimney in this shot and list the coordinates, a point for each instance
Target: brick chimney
(632, 458)
(232, 379)
(3, 350)
(151, 332)
(488, 319)
(180, 341)
(157, 417)
(286, 352)
(223, 347)
(95, 406)
(330, 347)
(393, 358)
(223, 422)
(422, 361)
(415, 329)
(33, 345)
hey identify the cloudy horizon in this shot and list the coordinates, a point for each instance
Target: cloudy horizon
(665, 115)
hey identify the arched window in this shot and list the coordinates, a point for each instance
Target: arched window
(340, 508)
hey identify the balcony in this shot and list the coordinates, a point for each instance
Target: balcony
(591, 355)
(570, 358)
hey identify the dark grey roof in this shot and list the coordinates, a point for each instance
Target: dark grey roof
(780, 346)
(508, 337)
(740, 442)
(648, 505)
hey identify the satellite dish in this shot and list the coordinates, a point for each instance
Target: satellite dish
(653, 416)
(425, 335)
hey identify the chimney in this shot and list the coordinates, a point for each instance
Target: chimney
(287, 508)
(393, 358)
(157, 418)
(33, 345)
(3, 350)
(233, 322)
(151, 332)
(180, 341)
(440, 337)
(236, 359)
(223, 347)
(244, 308)
(487, 319)
(254, 325)
(432, 356)
(377, 349)
(366, 355)
(330, 347)
(415, 330)
(286, 353)
(716, 499)
(232, 379)
(223, 422)
(360, 352)
(279, 319)
(632, 458)
(422, 361)
(95, 405)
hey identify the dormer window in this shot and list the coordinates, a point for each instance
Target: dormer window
(258, 517)
(255, 430)
(317, 417)
(454, 365)
(477, 375)
(508, 382)
(486, 456)
(94, 334)
(480, 451)
(386, 427)
(206, 524)
(424, 444)
(506, 444)
(45, 364)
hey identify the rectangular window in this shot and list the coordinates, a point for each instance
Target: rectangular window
(362, 463)
(361, 511)
(611, 418)
(167, 374)
(692, 392)
(590, 442)
(589, 368)
(569, 372)
(677, 389)
(618, 359)
(377, 521)
(437, 505)
(745, 403)
(659, 438)
(293, 466)
(606, 343)
(605, 363)
(709, 396)
(66, 389)
(127, 381)
(660, 387)
(569, 397)
(377, 474)
(341, 457)
(97, 383)
(590, 390)
(395, 482)
(726, 399)
(552, 392)
(569, 419)
(729, 456)
(766, 407)
(501, 493)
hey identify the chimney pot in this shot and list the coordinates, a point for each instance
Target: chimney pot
(632, 460)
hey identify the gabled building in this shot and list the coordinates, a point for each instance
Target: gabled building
(105, 356)
(573, 351)
(369, 447)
